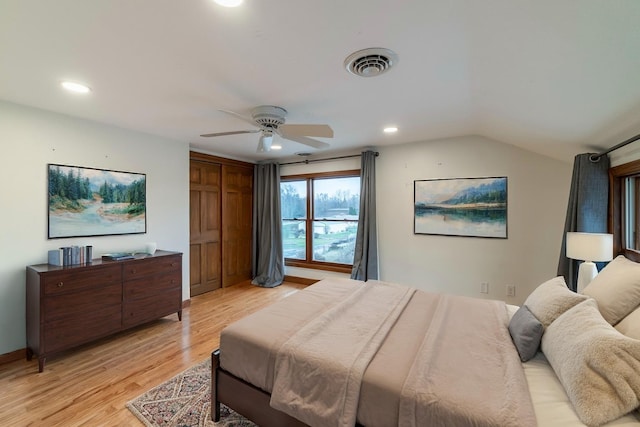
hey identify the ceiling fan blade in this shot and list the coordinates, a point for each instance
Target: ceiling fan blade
(322, 131)
(241, 117)
(307, 141)
(234, 132)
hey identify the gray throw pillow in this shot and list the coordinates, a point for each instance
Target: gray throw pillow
(526, 332)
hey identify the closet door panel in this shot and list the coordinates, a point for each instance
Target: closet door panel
(237, 205)
(205, 218)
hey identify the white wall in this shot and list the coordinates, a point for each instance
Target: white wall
(538, 189)
(33, 138)
(625, 154)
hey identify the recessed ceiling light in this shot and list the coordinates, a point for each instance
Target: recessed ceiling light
(276, 147)
(390, 129)
(229, 3)
(75, 87)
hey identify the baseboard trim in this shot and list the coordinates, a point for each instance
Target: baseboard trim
(300, 280)
(186, 303)
(13, 356)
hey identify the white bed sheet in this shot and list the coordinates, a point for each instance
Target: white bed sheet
(550, 401)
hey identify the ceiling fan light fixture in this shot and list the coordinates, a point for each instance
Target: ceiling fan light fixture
(370, 62)
(264, 144)
(276, 147)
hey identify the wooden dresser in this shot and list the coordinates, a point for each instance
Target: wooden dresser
(70, 306)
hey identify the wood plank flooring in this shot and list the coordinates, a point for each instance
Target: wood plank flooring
(90, 385)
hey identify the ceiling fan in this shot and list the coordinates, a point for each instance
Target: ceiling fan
(270, 120)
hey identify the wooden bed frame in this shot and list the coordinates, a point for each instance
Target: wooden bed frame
(244, 398)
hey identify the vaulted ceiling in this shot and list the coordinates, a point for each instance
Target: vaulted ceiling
(556, 77)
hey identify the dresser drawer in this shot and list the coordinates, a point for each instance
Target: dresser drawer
(151, 266)
(73, 279)
(75, 330)
(153, 285)
(82, 303)
(151, 308)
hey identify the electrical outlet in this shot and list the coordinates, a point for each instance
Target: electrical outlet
(484, 288)
(511, 290)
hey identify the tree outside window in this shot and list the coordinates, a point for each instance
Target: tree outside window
(320, 219)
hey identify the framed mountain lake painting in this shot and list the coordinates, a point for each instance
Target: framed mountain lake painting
(95, 202)
(475, 207)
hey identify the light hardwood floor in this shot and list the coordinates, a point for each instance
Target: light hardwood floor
(90, 385)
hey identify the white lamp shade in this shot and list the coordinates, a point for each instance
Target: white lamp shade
(590, 246)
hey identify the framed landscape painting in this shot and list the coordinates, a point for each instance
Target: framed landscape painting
(475, 207)
(95, 202)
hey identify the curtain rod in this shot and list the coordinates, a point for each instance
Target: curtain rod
(328, 158)
(596, 157)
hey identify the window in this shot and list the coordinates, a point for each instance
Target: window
(631, 188)
(320, 219)
(624, 218)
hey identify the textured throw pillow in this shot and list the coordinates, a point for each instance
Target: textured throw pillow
(597, 365)
(526, 332)
(551, 299)
(630, 325)
(616, 289)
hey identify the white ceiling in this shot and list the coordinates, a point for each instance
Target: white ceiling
(556, 77)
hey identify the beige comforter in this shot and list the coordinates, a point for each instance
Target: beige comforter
(319, 370)
(466, 372)
(445, 360)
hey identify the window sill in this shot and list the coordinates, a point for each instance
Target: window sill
(339, 268)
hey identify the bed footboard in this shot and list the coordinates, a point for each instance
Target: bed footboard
(244, 398)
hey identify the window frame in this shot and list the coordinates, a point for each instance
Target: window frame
(309, 262)
(618, 207)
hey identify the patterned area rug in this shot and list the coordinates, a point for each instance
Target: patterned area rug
(184, 401)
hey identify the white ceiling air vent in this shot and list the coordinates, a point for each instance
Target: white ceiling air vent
(370, 62)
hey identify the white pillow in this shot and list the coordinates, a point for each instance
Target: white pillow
(597, 366)
(616, 289)
(630, 325)
(551, 299)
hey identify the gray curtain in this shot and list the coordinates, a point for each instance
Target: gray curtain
(587, 208)
(365, 260)
(268, 259)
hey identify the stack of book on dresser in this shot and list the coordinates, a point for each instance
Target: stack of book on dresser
(71, 255)
(118, 256)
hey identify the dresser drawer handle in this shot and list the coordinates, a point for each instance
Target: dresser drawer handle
(133, 271)
(61, 284)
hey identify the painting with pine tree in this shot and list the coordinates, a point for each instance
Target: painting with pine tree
(85, 201)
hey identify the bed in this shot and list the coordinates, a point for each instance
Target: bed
(388, 381)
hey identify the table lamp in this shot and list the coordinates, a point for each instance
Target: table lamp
(589, 247)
